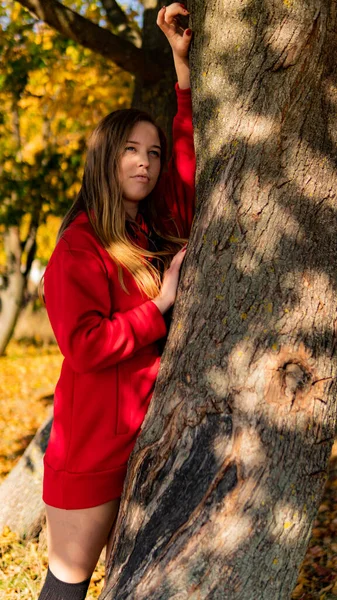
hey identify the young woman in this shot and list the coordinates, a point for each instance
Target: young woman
(111, 278)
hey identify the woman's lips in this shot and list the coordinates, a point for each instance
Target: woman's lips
(141, 178)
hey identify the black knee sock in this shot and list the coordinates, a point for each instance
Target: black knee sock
(54, 589)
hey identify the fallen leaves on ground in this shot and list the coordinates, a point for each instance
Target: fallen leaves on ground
(28, 377)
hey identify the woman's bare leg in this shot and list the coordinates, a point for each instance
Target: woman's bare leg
(76, 539)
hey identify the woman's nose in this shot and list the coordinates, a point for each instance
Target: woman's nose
(144, 160)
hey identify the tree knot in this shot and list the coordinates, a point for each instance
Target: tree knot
(294, 378)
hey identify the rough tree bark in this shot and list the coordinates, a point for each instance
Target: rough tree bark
(227, 474)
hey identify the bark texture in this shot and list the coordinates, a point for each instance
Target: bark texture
(21, 506)
(228, 472)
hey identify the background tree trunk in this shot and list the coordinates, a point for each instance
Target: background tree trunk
(13, 283)
(12, 287)
(227, 475)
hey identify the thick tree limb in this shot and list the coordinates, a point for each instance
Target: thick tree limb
(88, 34)
(117, 17)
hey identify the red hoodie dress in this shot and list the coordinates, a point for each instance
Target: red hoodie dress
(109, 342)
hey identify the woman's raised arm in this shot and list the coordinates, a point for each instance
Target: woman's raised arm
(178, 38)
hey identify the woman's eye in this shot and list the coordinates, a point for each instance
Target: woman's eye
(129, 148)
(155, 153)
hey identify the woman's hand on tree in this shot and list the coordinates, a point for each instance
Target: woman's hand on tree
(168, 291)
(178, 38)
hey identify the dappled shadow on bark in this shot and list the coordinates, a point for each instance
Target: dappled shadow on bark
(231, 466)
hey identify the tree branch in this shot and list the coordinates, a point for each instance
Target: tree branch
(88, 34)
(117, 17)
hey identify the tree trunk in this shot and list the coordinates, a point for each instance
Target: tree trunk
(13, 283)
(21, 506)
(228, 472)
(12, 287)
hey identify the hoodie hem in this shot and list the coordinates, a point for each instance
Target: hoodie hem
(72, 491)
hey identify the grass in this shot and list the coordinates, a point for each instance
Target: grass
(23, 567)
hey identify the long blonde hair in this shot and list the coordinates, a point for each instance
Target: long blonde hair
(101, 198)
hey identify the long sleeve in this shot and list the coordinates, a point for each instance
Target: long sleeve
(178, 184)
(79, 306)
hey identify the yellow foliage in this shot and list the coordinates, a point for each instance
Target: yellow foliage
(72, 52)
(46, 238)
(70, 94)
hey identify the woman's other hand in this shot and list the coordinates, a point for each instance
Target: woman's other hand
(168, 291)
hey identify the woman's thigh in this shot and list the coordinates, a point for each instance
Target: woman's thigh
(76, 539)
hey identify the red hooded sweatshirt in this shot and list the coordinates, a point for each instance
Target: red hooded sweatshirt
(109, 342)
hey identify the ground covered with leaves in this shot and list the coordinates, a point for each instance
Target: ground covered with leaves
(28, 376)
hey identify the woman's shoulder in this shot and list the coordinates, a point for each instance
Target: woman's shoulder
(79, 237)
(80, 233)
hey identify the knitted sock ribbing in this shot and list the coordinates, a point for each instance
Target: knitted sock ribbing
(54, 589)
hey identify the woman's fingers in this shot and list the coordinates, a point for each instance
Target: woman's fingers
(161, 19)
(167, 21)
(173, 10)
(178, 258)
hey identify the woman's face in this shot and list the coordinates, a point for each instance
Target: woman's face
(139, 165)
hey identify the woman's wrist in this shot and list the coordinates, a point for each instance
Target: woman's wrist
(182, 67)
(162, 304)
